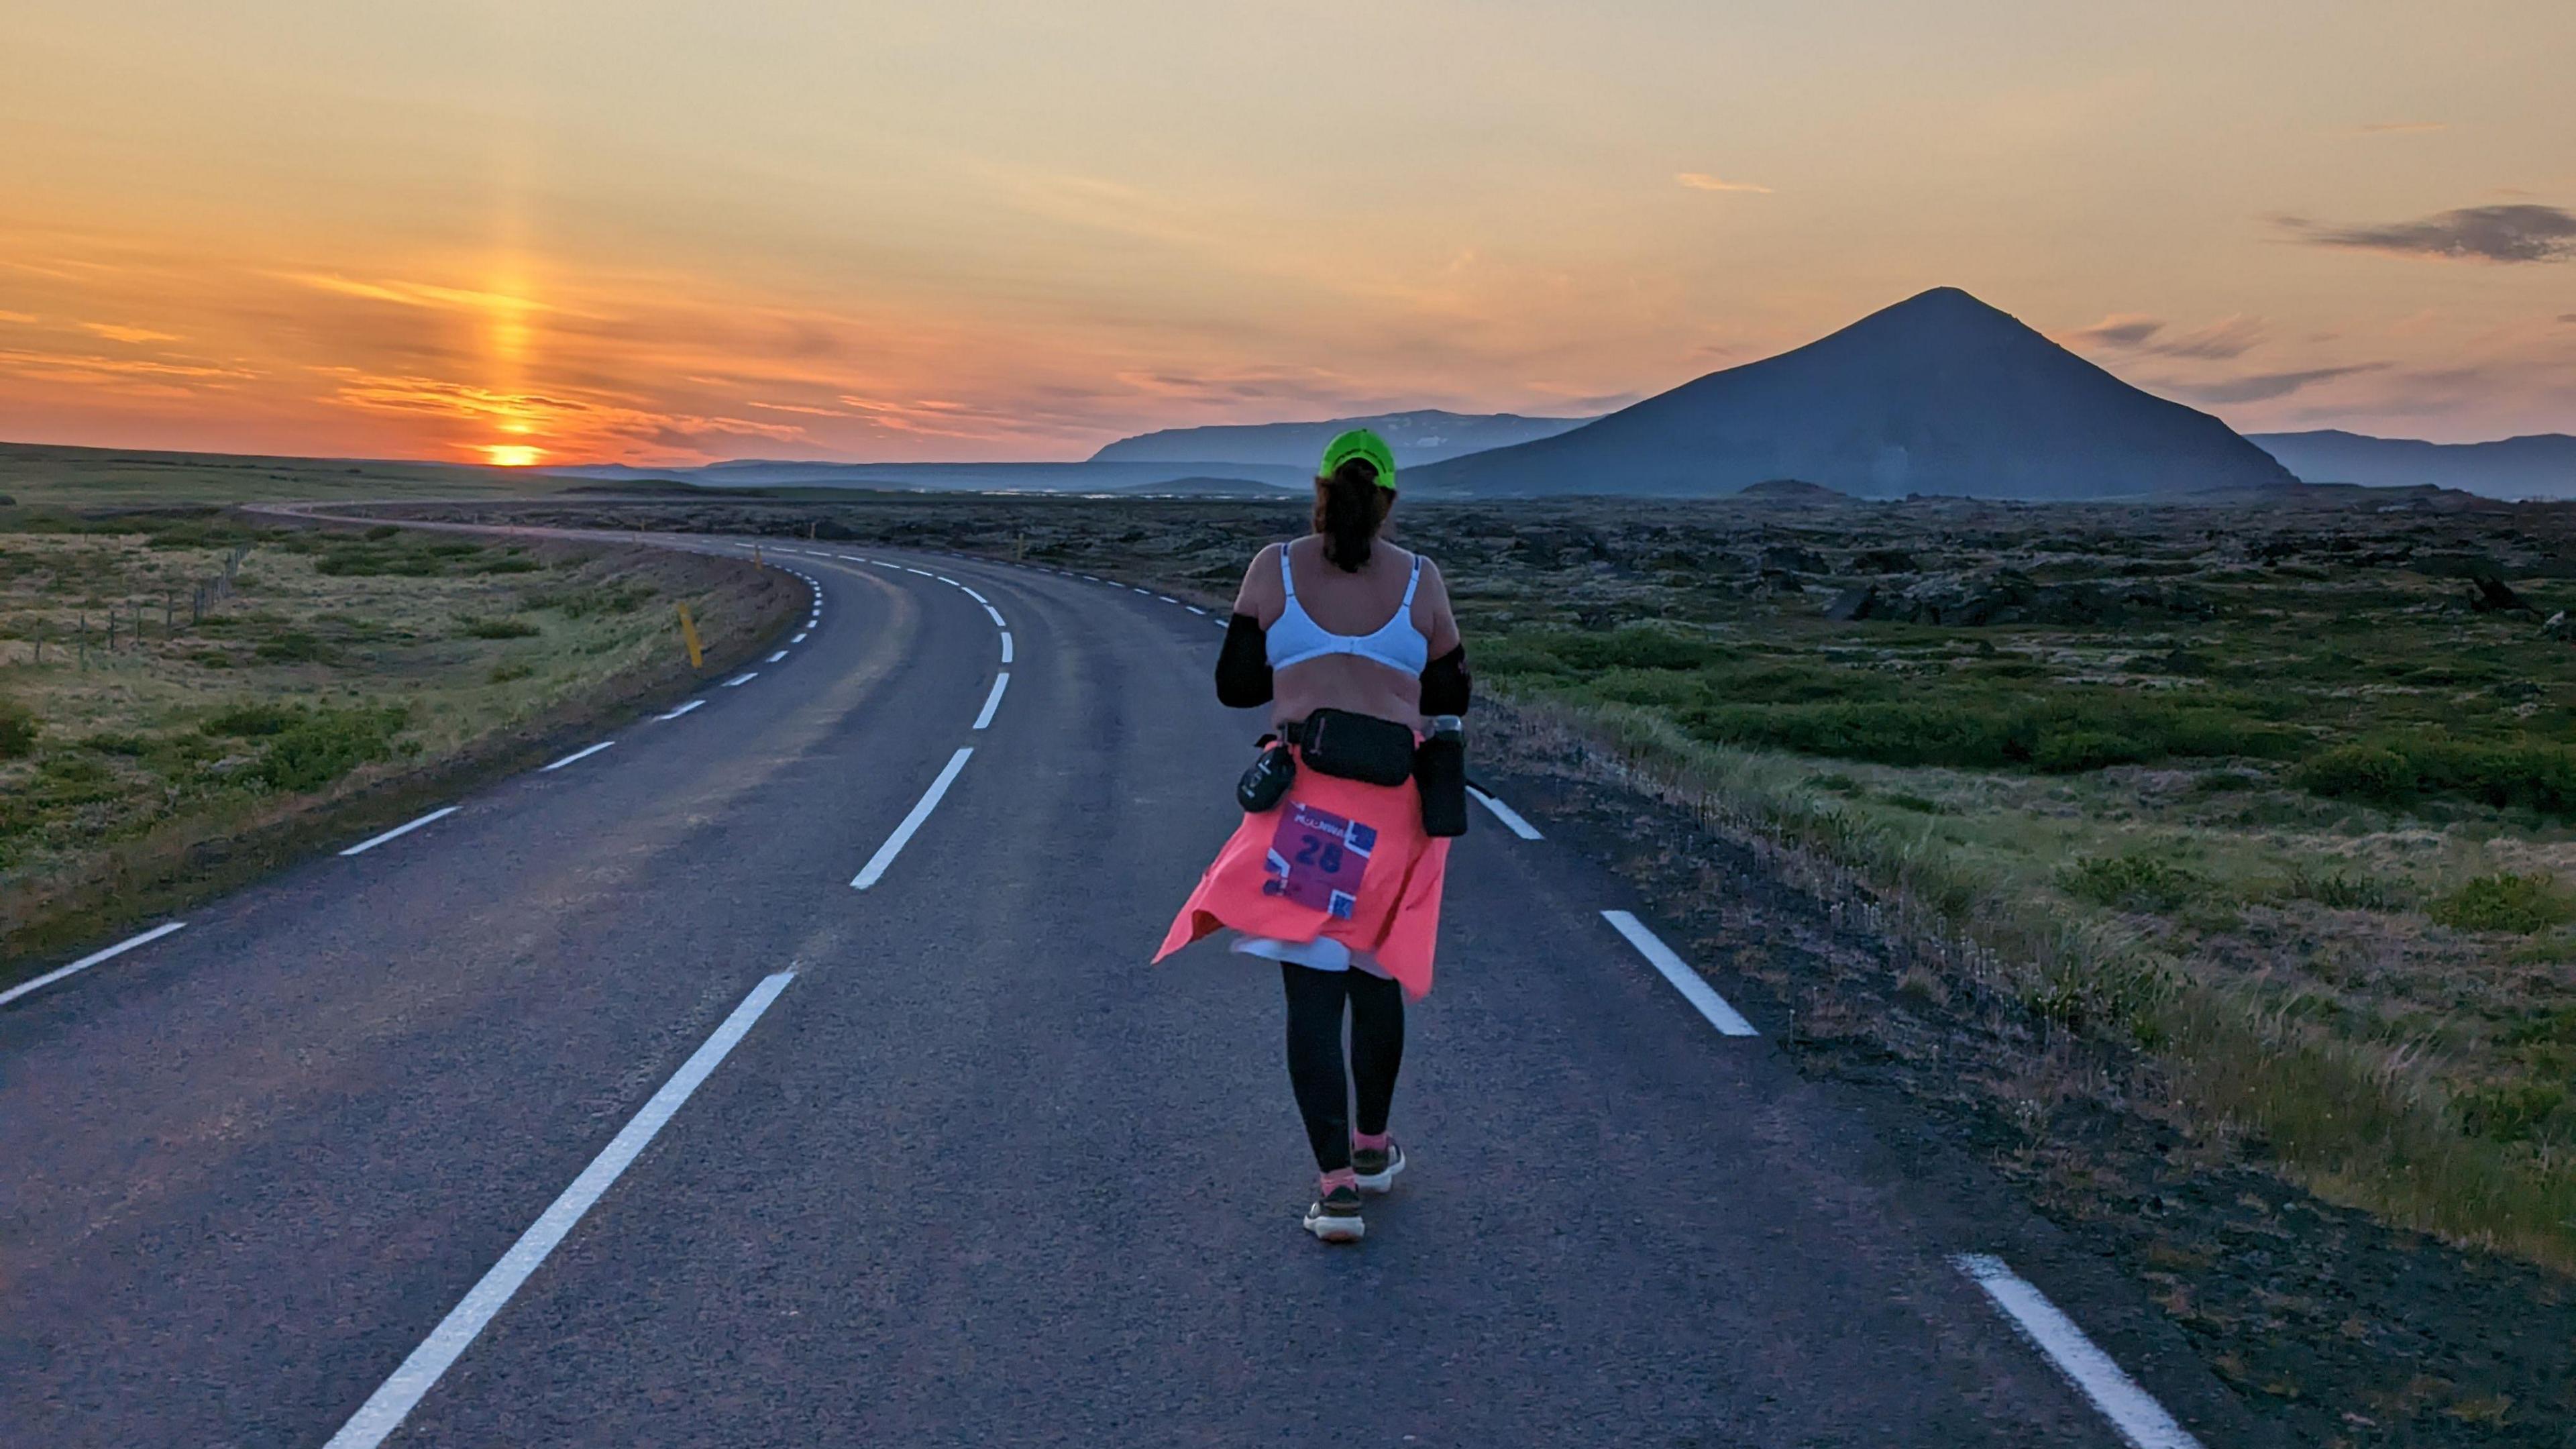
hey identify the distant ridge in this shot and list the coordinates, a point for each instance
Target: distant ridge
(1938, 394)
(2540, 465)
(1417, 438)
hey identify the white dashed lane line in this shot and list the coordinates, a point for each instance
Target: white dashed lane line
(2132, 1410)
(582, 754)
(1510, 817)
(875, 869)
(1686, 981)
(739, 680)
(799, 639)
(978, 598)
(397, 1396)
(774, 658)
(993, 701)
(1195, 609)
(1006, 646)
(406, 828)
(997, 617)
(683, 709)
(27, 988)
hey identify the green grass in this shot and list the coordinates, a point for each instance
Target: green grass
(2521, 904)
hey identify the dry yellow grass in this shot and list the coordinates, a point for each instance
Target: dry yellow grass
(339, 665)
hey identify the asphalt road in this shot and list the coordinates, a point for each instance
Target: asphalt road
(973, 1173)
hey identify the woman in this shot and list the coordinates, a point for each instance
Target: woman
(1350, 640)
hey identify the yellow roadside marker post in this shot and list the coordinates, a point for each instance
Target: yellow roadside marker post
(689, 635)
(755, 557)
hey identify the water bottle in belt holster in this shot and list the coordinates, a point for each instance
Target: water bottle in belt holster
(1440, 774)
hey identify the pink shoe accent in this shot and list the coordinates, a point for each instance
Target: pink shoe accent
(1339, 1177)
(1369, 1141)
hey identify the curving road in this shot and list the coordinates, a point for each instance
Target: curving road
(608, 1110)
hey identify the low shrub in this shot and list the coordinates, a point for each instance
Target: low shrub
(18, 729)
(295, 646)
(2344, 890)
(2516, 1112)
(499, 629)
(381, 532)
(587, 603)
(504, 673)
(2522, 904)
(2531, 774)
(2133, 881)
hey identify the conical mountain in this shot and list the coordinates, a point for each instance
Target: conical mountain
(1937, 394)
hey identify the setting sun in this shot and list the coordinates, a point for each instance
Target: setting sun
(511, 455)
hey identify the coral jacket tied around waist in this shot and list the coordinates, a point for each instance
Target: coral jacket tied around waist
(1336, 858)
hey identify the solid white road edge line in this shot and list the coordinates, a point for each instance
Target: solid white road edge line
(997, 617)
(739, 680)
(371, 842)
(683, 709)
(25, 988)
(2132, 1410)
(576, 755)
(1510, 817)
(393, 1400)
(1006, 646)
(1686, 981)
(876, 867)
(993, 701)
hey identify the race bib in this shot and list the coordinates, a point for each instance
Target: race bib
(1317, 859)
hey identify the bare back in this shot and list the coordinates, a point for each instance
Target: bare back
(1348, 603)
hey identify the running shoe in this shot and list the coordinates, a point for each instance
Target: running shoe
(1376, 1168)
(1335, 1217)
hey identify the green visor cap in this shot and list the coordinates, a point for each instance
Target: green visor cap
(1361, 443)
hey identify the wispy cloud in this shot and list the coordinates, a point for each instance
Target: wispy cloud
(2135, 332)
(115, 332)
(796, 408)
(1702, 181)
(415, 294)
(2224, 338)
(2400, 128)
(2520, 233)
(2120, 329)
(2260, 386)
(17, 317)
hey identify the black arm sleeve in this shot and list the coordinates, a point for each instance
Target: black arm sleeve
(1444, 683)
(1243, 669)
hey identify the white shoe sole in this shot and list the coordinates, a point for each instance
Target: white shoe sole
(1336, 1230)
(1383, 1181)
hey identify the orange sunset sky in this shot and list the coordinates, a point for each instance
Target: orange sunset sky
(669, 232)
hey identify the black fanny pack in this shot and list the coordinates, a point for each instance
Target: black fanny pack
(1351, 746)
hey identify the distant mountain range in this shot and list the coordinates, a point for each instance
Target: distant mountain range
(1939, 394)
(1417, 438)
(2542, 465)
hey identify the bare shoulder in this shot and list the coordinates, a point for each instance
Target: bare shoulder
(1261, 596)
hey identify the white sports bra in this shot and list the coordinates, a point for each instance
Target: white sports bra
(1297, 638)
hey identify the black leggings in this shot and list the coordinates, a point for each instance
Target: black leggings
(1315, 1054)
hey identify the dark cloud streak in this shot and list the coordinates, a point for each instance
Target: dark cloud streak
(2519, 233)
(2262, 386)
